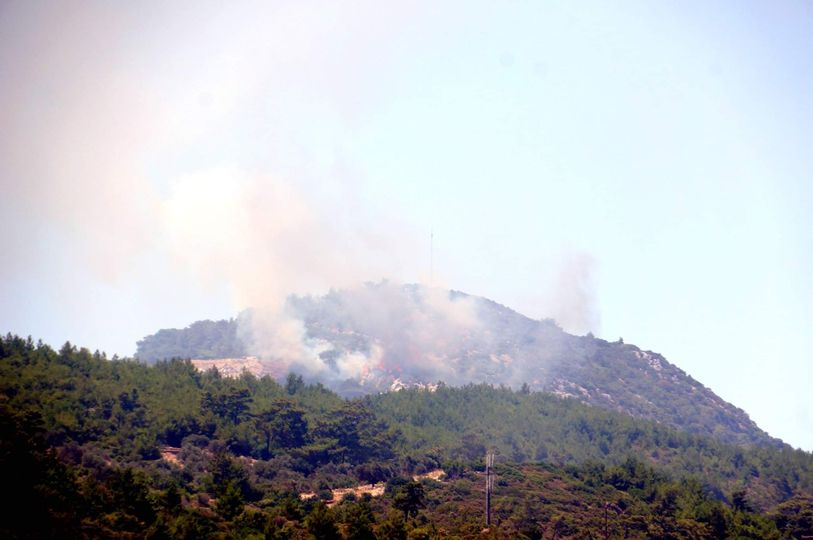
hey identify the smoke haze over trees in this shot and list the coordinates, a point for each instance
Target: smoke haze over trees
(386, 336)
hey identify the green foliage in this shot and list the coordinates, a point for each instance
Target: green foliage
(31, 474)
(409, 499)
(129, 491)
(321, 523)
(794, 517)
(229, 474)
(81, 440)
(203, 339)
(613, 375)
(393, 527)
(356, 434)
(171, 499)
(359, 521)
(294, 383)
(230, 502)
(284, 426)
(192, 525)
(231, 405)
(457, 423)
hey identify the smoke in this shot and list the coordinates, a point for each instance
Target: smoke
(268, 240)
(180, 138)
(384, 329)
(107, 108)
(195, 138)
(573, 300)
(379, 332)
(73, 131)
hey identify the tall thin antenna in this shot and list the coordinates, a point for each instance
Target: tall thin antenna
(489, 485)
(431, 256)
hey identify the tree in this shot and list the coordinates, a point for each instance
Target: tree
(794, 517)
(193, 525)
(232, 405)
(227, 472)
(409, 499)
(357, 435)
(230, 502)
(393, 528)
(66, 353)
(294, 383)
(739, 499)
(284, 425)
(359, 520)
(321, 523)
(172, 499)
(130, 492)
(158, 530)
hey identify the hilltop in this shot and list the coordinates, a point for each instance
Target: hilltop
(403, 336)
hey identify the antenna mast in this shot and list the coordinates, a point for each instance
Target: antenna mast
(489, 485)
(431, 257)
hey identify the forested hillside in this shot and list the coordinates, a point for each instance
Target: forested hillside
(460, 423)
(202, 339)
(410, 334)
(95, 447)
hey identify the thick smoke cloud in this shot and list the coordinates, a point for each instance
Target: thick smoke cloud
(268, 240)
(182, 136)
(106, 109)
(411, 328)
(177, 137)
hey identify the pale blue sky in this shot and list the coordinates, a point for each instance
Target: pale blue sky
(663, 147)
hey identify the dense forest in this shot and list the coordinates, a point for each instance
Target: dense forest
(92, 447)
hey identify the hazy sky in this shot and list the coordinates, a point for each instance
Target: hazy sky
(640, 170)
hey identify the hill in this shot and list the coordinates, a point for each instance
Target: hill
(202, 339)
(395, 336)
(120, 449)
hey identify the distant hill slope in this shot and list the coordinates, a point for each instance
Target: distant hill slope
(202, 339)
(410, 335)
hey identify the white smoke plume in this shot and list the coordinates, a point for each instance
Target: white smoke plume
(413, 322)
(573, 301)
(129, 143)
(268, 240)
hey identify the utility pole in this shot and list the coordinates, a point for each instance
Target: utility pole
(489, 485)
(610, 506)
(431, 257)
